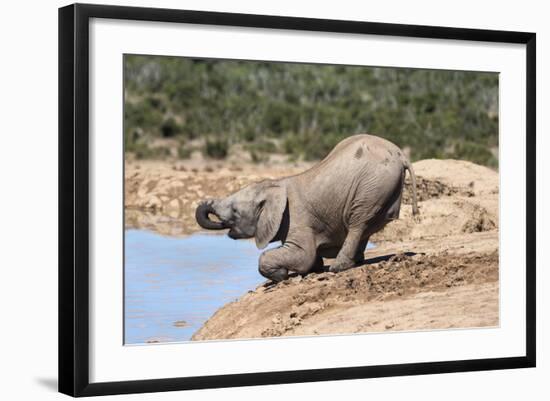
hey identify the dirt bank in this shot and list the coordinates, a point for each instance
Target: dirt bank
(437, 271)
(399, 293)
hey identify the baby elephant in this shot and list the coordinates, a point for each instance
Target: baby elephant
(328, 211)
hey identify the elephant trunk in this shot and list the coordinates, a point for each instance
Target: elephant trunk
(202, 215)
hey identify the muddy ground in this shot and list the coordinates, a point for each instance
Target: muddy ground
(433, 272)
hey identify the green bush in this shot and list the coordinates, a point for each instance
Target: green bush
(216, 148)
(184, 152)
(309, 108)
(259, 157)
(263, 145)
(144, 151)
(170, 128)
(475, 153)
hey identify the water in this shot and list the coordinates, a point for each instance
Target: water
(174, 284)
(184, 280)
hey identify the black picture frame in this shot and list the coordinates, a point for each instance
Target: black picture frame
(74, 198)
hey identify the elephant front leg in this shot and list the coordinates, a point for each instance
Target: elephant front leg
(276, 263)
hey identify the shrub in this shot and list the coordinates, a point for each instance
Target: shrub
(309, 107)
(184, 152)
(216, 148)
(170, 128)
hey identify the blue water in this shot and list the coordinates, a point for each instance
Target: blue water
(172, 285)
(185, 280)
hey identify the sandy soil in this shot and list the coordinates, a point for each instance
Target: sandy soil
(433, 272)
(400, 292)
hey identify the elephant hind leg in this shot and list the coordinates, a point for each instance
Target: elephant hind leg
(359, 257)
(352, 249)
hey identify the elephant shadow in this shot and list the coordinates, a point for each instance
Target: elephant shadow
(368, 261)
(385, 258)
(326, 268)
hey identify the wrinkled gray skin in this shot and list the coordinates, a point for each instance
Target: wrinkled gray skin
(328, 211)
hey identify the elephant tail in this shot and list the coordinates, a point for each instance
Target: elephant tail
(408, 166)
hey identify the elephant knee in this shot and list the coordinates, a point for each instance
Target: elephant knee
(264, 268)
(276, 275)
(271, 270)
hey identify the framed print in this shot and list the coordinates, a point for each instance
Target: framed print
(251, 199)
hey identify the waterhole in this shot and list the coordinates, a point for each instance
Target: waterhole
(172, 285)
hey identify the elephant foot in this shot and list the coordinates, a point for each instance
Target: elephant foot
(340, 266)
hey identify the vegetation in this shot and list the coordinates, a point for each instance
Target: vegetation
(304, 109)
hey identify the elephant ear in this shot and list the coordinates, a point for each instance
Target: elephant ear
(271, 214)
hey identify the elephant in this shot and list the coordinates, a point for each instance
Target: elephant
(327, 211)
